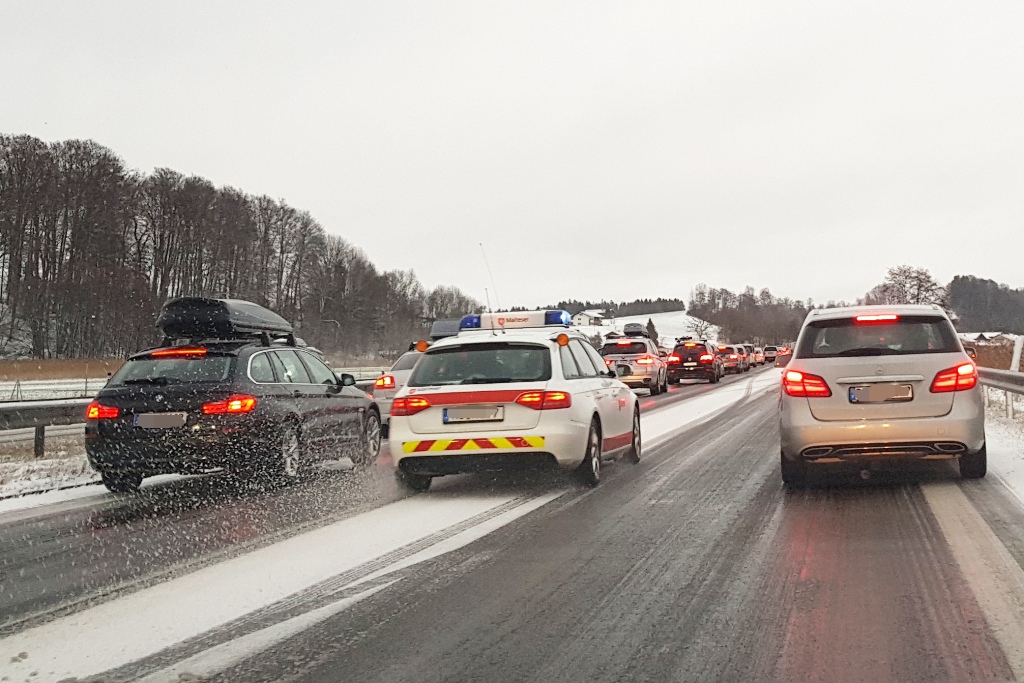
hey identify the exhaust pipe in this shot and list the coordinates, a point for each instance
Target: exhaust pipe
(865, 474)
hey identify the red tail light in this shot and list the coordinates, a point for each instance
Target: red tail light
(674, 359)
(404, 407)
(384, 382)
(234, 405)
(180, 351)
(645, 360)
(960, 378)
(875, 319)
(802, 384)
(545, 400)
(98, 411)
(706, 358)
(690, 345)
(609, 362)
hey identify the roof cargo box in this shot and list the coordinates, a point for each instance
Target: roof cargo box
(444, 328)
(196, 318)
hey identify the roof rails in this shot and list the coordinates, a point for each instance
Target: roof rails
(192, 319)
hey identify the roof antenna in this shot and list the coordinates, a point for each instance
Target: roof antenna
(491, 275)
(490, 315)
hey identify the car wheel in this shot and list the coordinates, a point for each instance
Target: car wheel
(589, 471)
(369, 445)
(664, 384)
(286, 464)
(411, 481)
(713, 378)
(974, 465)
(633, 454)
(674, 380)
(794, 473)
(122, 482)
(655, 388)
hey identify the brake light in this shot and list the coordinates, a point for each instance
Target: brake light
(706, 358)
(233, 405)
(802, 384)
(180, 351)
(384, 382)
(644, 360)
(545, 400)
(608, 362)
(404, 407)
(882, 318)
(690, 345)
(623, 342)
(674, 358)
(98, 411)
(960, 378)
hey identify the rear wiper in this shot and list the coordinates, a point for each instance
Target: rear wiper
(161, 381)
(487, 380)
(863, 351)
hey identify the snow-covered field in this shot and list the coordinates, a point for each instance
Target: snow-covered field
(670, 325)
(35, 390)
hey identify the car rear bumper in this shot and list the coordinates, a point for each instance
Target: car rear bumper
(563, 443)
(180, 455)
(691, 373)
(960, 431)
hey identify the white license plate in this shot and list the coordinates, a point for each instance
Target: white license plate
(882, 393)
(689, 365)
(161, 420)
(474, 414)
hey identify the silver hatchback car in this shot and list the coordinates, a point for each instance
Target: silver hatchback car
(869, 383)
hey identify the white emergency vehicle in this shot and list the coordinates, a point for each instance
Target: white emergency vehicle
(512, 389)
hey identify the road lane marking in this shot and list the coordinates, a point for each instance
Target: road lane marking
(995, 578)
(128, 629)
(236, 651)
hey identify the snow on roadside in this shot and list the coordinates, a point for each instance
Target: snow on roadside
(670, 325)
(35, 476)
(1005, 439)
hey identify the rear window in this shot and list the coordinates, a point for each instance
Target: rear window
(164, 371)
(491, 363)
(845, 338)
(770, 348)
(406, 362)
(631, 347)
(725, 349)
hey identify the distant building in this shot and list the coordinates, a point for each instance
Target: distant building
(588, 318)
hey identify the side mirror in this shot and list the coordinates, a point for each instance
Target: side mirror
(610, 373)
(972, 352)
(783, 361)
(347, 380)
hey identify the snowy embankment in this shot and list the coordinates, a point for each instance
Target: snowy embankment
(34, 476)
(1005, 438)
(670, 325)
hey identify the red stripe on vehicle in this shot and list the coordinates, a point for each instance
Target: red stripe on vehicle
(454, 398)
(613, 442)
(518, 442)
(484, 443)
(456, 445)
(423, 446)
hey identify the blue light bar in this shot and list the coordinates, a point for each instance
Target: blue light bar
(470, 322)
(557, 318)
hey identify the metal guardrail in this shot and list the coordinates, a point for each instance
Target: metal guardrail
(1006, 380)
(42, 414)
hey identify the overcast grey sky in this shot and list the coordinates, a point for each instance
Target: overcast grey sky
(599, 150)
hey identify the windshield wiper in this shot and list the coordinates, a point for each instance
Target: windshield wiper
(488, 380)
(863, 351)
(160, 381)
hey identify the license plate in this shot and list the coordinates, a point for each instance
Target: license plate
(882, 393)
(689, 365)
(161, 420)
(474, 414)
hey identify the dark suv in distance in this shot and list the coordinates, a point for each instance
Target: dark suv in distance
(220, 393)
(694, 360)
